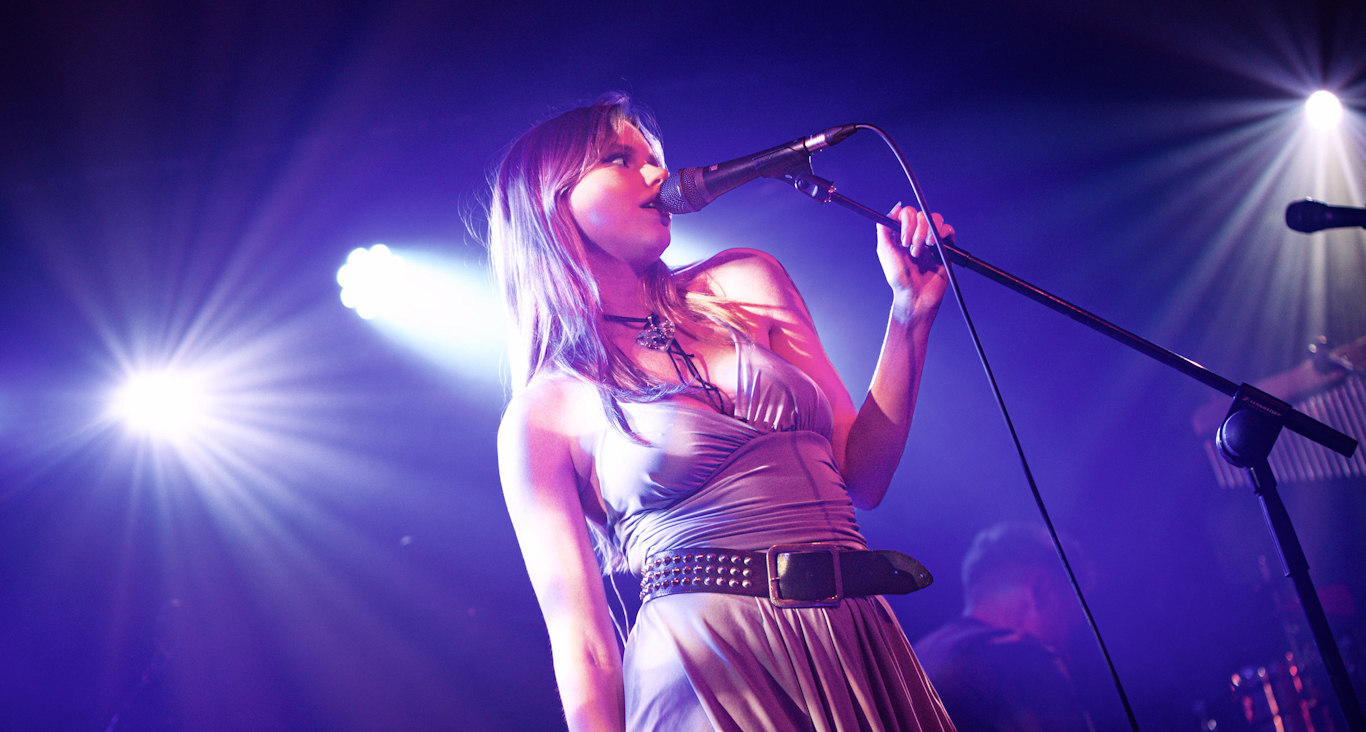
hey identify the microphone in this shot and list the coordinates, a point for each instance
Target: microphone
(1309, 216)
(690, 189)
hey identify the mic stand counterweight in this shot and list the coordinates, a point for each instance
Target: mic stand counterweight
(1245, 438)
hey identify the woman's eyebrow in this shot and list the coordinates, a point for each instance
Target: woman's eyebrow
(650, 156)
(617, 148)
(633, 151)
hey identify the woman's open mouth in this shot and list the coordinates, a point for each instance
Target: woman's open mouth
(664, 216)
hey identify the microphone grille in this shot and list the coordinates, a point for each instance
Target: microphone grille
(679, 193)
(1305, 216)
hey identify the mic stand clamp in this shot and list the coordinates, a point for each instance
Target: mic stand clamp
(806, 181)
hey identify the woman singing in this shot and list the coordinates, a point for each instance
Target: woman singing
(689, 424)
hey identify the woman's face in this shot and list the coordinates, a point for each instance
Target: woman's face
(613, 204)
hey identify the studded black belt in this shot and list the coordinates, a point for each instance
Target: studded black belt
(791, 575)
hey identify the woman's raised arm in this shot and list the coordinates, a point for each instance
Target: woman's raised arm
(877, 437)
(537, 445)
(868, 442)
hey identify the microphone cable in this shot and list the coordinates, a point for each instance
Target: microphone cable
(1010, 426)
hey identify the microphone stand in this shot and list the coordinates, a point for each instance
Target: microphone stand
(1245, 438)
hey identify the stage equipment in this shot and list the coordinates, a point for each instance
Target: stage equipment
(1323, 110)
(689, 189)
(1331, 386)
(1243, 436)
(1279, 698)
(1328, 386)
(163, 404)
(1309, 216)
(372, 280)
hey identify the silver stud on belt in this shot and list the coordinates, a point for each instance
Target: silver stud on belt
(706, 570)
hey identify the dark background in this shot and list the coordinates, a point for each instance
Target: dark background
(181, 180)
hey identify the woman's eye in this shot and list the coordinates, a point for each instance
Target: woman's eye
(617, 159)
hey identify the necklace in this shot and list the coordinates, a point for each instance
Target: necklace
(657, 334)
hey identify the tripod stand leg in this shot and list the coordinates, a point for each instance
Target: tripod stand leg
(1297, 569)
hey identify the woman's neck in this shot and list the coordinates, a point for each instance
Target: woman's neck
(634, 307)
(622, 292)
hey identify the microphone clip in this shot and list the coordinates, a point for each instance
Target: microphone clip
(806, 181)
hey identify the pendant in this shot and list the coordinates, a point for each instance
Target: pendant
(657, 334)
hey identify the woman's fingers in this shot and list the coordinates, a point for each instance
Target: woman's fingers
(885, 234)
(918, 240)
(907, 215)
(944, 230)
(915, 229)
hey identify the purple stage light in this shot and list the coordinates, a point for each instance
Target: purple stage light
(441, 308)
(372, 281)
(163, 404)
(1323, 110)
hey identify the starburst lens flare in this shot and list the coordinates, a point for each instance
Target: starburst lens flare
(163, 404)
(1323, 110)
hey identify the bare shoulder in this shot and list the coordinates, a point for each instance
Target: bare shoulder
(555, 405)
(544, 448)
(747, 276)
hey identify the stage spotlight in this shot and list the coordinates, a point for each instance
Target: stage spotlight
(163, 404)
(372, 280)
(1323, 110)
(444, 309)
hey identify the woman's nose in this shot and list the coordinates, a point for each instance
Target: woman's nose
(655, 175)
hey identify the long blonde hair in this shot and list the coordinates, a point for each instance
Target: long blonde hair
(539, 258)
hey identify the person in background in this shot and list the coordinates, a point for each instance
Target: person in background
(1000, 666)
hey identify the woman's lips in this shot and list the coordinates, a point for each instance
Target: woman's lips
(664, 216)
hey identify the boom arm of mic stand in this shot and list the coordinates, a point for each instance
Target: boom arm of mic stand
(824, 191)
(1247, 401)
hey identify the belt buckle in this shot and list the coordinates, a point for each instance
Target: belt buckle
(771, 560)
